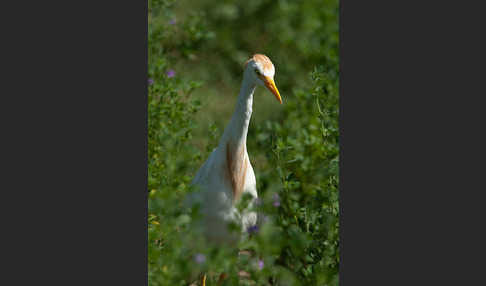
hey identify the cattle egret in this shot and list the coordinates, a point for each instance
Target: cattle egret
(227, 174)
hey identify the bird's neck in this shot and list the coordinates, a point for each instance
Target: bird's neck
(237, 129)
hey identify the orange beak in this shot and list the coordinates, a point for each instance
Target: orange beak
(270, 84)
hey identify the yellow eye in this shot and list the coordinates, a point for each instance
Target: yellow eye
(258, 72)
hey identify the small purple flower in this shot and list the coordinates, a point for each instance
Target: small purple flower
(252, 229)
(150, 81)
(276, 200)
(260, 264)
(200, 258)
(172, 21)
(265, 218)
(170, 73)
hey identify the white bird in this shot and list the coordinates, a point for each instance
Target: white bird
(227, 174)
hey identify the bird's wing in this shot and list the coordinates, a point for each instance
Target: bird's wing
(200, 181)
(203, 171)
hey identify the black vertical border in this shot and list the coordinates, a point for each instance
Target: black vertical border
(145, 218)
(412, 164)
(76, 160)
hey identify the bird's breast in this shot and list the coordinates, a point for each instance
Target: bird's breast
(237, 167)
(223, 179)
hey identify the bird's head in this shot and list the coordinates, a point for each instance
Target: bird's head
(260, 70)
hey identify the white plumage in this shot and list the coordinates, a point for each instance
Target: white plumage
(227, 174)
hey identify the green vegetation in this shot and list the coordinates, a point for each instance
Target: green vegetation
(196, 55)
